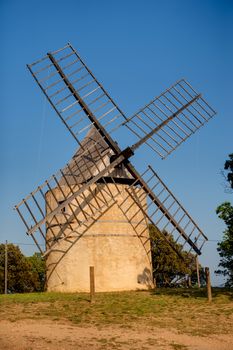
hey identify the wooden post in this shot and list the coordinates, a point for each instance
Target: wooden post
(92, 283)
(208, 284)
(6, 262)
(189, 282)
(198, 272)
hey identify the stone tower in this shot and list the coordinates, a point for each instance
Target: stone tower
(117, 242)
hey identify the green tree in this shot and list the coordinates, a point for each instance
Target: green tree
(228, 167)
(225, 212)
(225, 247)
(38, 268)
(167, 264)
(21, 277)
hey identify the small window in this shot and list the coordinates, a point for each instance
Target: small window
(63, 210)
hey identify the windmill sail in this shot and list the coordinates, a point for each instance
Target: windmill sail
(74, 191)
(166, 213)
(74, 92)
(171, 102)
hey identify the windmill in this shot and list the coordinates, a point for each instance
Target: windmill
(96, 210)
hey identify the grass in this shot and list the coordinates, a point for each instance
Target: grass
(186, 310)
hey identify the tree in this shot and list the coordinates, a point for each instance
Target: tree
(167, 264)
(225, 247)
(228, 173)
(225, 212)
(21, 275)
(39, 268)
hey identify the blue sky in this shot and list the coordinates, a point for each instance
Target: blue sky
(136, 49)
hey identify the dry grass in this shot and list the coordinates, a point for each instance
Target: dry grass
(187, 311)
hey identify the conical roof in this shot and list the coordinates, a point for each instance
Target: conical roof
(91, 157)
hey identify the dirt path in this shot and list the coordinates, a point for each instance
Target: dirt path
(47, 335)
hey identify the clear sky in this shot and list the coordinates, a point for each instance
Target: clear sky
(136, 49)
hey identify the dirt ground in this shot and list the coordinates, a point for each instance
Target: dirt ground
(51, 335)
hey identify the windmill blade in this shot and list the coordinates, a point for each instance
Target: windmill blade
(75, 93)
(191, 112)
(140, 227)
(165, 212)
(69, 196)
(74, 219)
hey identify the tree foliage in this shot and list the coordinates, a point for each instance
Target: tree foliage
(23, 273)
(167, 264)
(229, 168)
(225, 247)
(38, 268)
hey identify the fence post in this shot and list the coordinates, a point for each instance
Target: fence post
(198, 272)
(6, 262)
(92, 283)
(208, 284)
